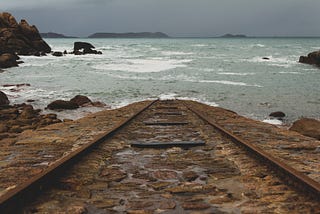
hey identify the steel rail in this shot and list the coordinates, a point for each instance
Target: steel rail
(13, 200)
(301, 181)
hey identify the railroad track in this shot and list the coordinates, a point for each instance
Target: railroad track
(159, 127)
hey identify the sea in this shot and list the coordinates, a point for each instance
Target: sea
(226, 72)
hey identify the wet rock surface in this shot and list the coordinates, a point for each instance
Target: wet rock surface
(215, 178)
(312, 58)
(308, 127)
(17, 118)
(3, 99)
(74, 103)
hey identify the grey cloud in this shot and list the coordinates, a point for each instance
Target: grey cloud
(175, 17)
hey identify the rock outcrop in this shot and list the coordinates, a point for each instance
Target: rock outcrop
(80, 48)
(19, 38)
(3, 99)
(8, 60)
(17, 118)
(308, 127)
(57, 53)
(74, 103)
(312, 58)
(81, 100)
(62, 104)
(277, 114)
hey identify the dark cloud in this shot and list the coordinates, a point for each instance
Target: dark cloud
(175, 17)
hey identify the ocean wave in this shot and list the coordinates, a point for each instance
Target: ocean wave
(175, 53)
(273, 121)
(199, 45)
(274, 61)
(290, 72)
(172, 96)
(258, 45)
(236, 74)
(226, 82)
(144, 65)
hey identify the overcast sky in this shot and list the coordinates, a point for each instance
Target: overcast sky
(174, 17)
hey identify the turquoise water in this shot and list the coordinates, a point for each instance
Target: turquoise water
(226, 72)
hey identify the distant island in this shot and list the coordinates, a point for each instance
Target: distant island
(129, 35)
(54, 35)
(233, 36)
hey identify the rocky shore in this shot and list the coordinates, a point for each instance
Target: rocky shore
(19, 39)
(17, 118)
(23, 39)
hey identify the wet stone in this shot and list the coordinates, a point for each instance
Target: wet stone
(159, 185)
(113, 174)
(190, 175)
(165, 175)
(170, 204)
(195, 205)
(191, 188)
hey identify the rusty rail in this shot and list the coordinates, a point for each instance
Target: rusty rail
(14, 199)
(298, 179)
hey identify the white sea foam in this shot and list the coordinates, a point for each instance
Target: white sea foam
(144, 65)
(236, 74)
(210, 103)
(258, 45)
(199, 45)
(289, 72)
(169, 96)
(274, 61)
(226, 82)
(273, 121)
(174, 53)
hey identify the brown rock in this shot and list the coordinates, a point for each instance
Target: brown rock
(80, 100)
(98, 104)
(57, 53)
(167, 205)
(8, 60)
(195, 205)
(313, 58)
(165, 175)
(277, 114)
(7, 20)
(3, 99)
(28, 112)
(3, 128)
(21, 38)
(308, 127)
(77, 209)
(62, 104)
(190, 175)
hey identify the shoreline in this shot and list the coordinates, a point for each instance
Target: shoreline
(18, 118)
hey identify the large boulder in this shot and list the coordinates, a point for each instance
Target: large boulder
(82, 45)
(3, 99)
(80, 48)
(81, 100)
(62, 104)
(57, 53)
(8, 60)
(313, 58)
(308, 127)
(20, 38)
(277, 114)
